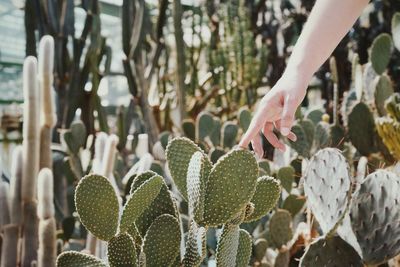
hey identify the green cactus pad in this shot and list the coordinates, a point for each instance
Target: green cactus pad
(195, 246)
(97, 206)
(302, 145)
(162, 241)
(164, 138)
(75, 137)
(215, 153)
(229, 134)
(215, 135)
(286, 176)
(265, 169)
(315, 115)
(375, 217)
(383, 90)
(244, 249)
(337, 136)
(78, 259)
(260, 249)
(294, 204)
(362, 129)
(327, 172)
(179, 151)
(198, 172)
(321, 137)
(244, 118)
(121, 251)
(265, 198)
(163, 204)
(204, 125)
(329, 253)
(309, 129)
(283, 258)
(231, 185)
(189, 129)
(280, 228)
(381, 50)
(228, 245)
(139, 201)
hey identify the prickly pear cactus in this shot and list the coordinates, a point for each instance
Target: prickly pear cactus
(332, 251)
(121, 251)
(328, 172)
(375, 215)
(280, 228)
(229, 134)
(195, 246)
(244, 249)
(78, 259)
(381, 50)
(97, 206)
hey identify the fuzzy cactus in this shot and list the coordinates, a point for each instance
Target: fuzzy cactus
(77, 259)
(31, 150)
(121, 251)
(328, 172)
(47, 224)
(48, 116)
(195, 250)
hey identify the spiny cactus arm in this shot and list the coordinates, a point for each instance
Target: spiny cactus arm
(139, 201)
(78, 259)
(46, 160)
(162, 241)
(46, 63)
(5, 212)
(109, 155)
(195, 246)
(47, 252)
(328, 172)
(9, 247)
(31, 129)
(15, 187)
(45, 194)
(197, 174)
(244, 249)
(376, 201)
(179, 152)
(97, 206)
(121, 251)
(268, 191)
(228, 245)
(324, 252)
(280, 228)
(230, 186)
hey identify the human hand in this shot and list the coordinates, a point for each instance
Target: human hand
(276, 110)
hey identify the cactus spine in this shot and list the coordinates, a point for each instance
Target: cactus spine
(48, 116)
(31, 135)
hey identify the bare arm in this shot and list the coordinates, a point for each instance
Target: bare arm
(327, 24)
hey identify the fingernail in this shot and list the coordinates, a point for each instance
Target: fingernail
(294, 138)
(285, 131)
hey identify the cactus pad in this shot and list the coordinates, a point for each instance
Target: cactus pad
(231, 184)
(375, 217)
(244, 118)
(189, 129)
(327, 172)
(302, 144)
(179, 151)
(195, 246)
(265, 197)
(280, 228)
(244, 249)
(97, 206)
(383, 90)
(229, 133)
(204, 125)
(78, 259)
(228, 245)
(294, 204)
(162, 241)
(197, 175)
(381, 50)
(330, 252)
(286, 176)
(140, 200)
(121, 251)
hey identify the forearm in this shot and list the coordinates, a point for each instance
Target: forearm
(328, 23)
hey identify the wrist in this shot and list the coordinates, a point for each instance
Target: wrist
(298, 75)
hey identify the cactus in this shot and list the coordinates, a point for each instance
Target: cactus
(189, 129)
(5, 214)
(396, 30)
(244, 118)
(31, 150)
(229, 134)
(204, 125)
(77, 259)
(259, 249)
(383, 90)
(228, 245)
(47, 223)
(244, 249)
(286, 177)
(330, 252)
(280, 228)
(48, 115)
(162, 241)
(381, 50)
(121, 251)
(302, 144)
(195, 250)
(328, 172)
(294, 204)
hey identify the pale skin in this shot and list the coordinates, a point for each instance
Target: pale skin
(328, 23)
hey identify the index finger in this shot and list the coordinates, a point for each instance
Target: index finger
(255, 126)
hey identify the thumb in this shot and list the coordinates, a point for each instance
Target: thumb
(289, 109)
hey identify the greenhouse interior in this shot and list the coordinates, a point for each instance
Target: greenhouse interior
(199, 133)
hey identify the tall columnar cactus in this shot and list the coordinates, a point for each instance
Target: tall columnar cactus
(31, 149)
(9, 248)
(48, 115)
(47, 252)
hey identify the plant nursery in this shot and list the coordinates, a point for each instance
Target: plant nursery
(199, 133)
